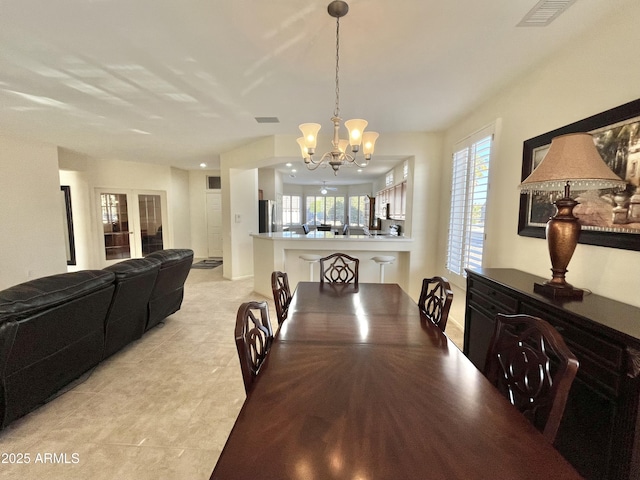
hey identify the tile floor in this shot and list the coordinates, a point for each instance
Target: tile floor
(161, 408)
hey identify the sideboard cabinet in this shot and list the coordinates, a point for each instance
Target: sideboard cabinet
(600, 430)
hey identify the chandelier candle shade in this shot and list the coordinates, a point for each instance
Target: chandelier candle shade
(338, 156)
(572, 161)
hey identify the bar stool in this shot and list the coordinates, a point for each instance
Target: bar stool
(311, 259)
(383, 260)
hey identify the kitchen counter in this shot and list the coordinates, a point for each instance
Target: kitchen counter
(281, 251)
(315, 235)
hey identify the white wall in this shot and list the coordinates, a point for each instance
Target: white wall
(84, 174)
(596, 73)
(268, 183)
(32, 235)
(244, 218)
(242, 199)
(84, 235)
(179, 204)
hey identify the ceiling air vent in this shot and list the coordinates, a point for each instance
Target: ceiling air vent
(545, 12)
(267, 120)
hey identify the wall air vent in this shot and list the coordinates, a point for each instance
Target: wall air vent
(267, 120)
(213, 183)
(545, 12)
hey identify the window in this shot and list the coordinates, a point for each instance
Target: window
(359, 211)
(325, 209)
(405, 169)
(469, 187)
(291, 209)
(388, 180)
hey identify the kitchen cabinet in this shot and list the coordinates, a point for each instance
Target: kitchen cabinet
(600, 430)
(395, 199)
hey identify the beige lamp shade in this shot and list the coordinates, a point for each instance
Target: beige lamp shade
(573, 159)
(310, 134)
(369, 142)
(303, 148)
(356, 128)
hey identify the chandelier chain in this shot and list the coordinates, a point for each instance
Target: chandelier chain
(336, 111)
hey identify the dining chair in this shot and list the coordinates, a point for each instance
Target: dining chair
(529, 362)
(254, 337)
(339, 268)
(281, 294)
(435, 301)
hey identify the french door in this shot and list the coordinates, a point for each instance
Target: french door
(130, 223)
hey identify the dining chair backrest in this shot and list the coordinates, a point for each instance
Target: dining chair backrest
(254, 337)
(281, 294)
(529, 362)
(435, 301)
(339, 268)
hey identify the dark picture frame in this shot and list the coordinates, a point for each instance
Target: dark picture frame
(608, 219)
(69, 237)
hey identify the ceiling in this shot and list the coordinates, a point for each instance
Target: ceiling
(177, 82)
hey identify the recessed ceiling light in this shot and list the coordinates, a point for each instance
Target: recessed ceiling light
(293, 170)
(203, 165)
(289, 164)
(359, 170)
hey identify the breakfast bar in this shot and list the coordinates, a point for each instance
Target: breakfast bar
(281, 251)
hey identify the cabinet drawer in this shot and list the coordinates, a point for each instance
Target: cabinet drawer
(499, 301)
(598, 359)
(597, 347)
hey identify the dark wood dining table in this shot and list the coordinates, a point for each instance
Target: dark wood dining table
(358, 385)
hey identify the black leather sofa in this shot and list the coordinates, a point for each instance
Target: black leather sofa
(127, 316)
(52, 331)
(55, 329)
(168, 290)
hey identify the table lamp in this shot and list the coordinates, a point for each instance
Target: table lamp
(572, 162)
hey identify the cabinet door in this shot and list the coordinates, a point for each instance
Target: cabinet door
(478, 331)
(586, 436)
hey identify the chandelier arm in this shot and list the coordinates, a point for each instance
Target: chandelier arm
(361, 165)
(326, 156)
(313, 164)
(313, 161)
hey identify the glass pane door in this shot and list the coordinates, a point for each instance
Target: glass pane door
(115, 224)
(150, 208)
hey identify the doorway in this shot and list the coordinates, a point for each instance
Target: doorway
(131, 223)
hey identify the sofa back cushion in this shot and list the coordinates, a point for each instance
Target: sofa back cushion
(26, 299)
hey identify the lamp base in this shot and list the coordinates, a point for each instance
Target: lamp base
(565, 292)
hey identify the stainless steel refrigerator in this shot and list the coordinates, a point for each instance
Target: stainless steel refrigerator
(267, 216)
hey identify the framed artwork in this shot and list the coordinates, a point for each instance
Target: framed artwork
(65, 192)
(608, 218)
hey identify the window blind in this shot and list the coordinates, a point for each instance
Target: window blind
(469, 189)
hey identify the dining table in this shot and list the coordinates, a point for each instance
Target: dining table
(359, 385)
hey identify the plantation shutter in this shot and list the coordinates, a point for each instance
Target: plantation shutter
(469, 189)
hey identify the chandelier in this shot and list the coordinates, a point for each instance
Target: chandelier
(339, 155)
